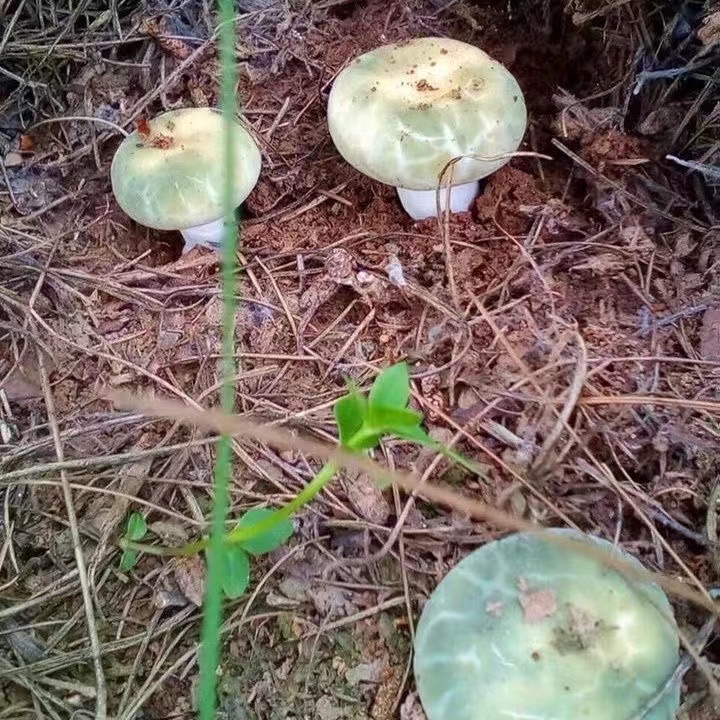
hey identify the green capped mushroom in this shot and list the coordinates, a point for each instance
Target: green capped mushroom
(400, 113)
(169, 173)
(527, 629)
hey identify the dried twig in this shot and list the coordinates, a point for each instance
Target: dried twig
(101, 699)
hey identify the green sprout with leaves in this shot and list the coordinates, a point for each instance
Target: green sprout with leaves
(362, 421)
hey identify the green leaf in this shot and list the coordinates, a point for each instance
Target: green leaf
(391, 387)
(389, 419)
(350, 412)
(366, 438)
(128, 560)
(136, 527)
(268, 540)
(235, 570)
(418, 435)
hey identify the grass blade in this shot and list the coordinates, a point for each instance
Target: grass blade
(212, 615)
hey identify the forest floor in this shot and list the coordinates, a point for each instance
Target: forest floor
(565, 334)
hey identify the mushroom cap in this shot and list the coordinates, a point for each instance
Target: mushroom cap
(525, 628)
(401, 112)
(173, 178)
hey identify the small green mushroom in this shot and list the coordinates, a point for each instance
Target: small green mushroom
(527, 629)
(169, 173)
(402, 112)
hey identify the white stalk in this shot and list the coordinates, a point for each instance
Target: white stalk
(420, 204)
(210, 234)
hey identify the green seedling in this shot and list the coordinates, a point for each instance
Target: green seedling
(362, 422)
(135, 531)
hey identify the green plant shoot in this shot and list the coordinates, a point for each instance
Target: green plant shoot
(362, 422)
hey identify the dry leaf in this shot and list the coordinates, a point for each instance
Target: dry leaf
(189, 575)
(709, 33)
(18, 386)
(558, 216)
(367, 498)
(692, 281)
(169, 532)
(327, 709)
(602, 263)
(635, 238)
(575, 121)
(710, 335)
(684, 245)
(661, 120)
(365, 672)
(106, 519)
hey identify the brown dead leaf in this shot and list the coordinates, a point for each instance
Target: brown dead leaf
(18, 386)
(710, 335)
(602, 264)
(189, 575)
(692, 281)
(327, 708)
(634, 237)
(367, 498)
(709, 33)
(169, 532)
(558, 216)
(106, 518)
(661, 120)
(160, 31)
(577, 122)
(26, 144)
(684, 245)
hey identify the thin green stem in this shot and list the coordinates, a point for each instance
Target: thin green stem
(242, 534)
(324, 476)
(212, 616)
(326, 473)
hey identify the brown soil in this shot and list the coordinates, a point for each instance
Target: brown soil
(584, 276)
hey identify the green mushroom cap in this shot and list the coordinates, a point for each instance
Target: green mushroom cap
(171, 177)
(401, 112)
(527, 629)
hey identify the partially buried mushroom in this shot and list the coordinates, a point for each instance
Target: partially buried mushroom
(169, 173)
(402, 112)
(526, 628)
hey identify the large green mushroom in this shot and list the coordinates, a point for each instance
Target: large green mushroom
(169, 173)
(525, 628)
(402, 112)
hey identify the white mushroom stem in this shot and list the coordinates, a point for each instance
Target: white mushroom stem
(420, 204)
(210, 234)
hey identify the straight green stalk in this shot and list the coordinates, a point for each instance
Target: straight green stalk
(212, 616)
